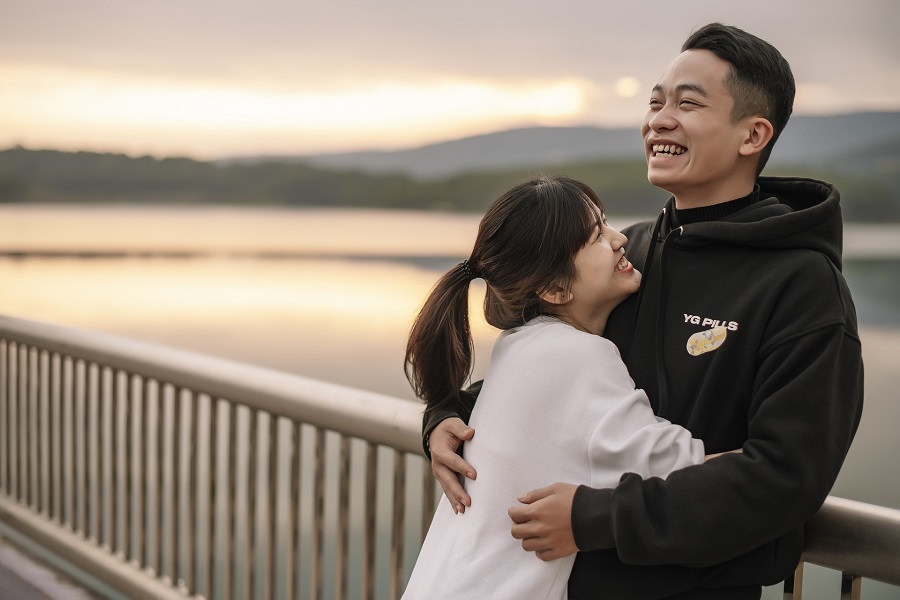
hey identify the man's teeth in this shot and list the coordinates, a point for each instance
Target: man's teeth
(622, 264)
(668, 149)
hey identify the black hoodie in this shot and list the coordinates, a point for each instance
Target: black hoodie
(743, 332)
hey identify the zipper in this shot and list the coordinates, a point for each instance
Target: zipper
(661, 380)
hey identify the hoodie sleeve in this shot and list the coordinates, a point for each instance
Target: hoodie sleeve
(804, 410)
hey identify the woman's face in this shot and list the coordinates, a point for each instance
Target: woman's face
(604, 276)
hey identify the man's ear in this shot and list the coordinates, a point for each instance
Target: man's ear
(759, 132)
(555, 294)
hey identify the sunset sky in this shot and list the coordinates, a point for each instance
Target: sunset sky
(219, 78)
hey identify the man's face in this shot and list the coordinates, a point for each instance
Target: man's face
(691, 144)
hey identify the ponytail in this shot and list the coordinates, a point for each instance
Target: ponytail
(527, 241)
(439, 350)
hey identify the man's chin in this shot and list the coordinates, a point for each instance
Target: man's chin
(662, 181)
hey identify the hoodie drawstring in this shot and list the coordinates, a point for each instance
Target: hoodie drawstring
(648, 262)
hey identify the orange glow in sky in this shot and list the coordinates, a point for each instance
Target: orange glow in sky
(211, 79)
(208, 120)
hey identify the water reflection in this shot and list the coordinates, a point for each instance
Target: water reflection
(340, 320)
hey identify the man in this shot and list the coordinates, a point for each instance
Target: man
(743, 332)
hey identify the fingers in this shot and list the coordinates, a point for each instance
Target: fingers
(456, 427)
(454, 462)
(522, 530)
(542, 541)
(519, 515)
(544, 522)
(452, 488)
(717, 454)
(443, 442)
(548, 554)
(538, 494)
(533, 540)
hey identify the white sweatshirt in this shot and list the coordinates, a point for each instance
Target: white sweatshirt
(557, 404)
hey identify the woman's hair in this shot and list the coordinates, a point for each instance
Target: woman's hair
(526, 243)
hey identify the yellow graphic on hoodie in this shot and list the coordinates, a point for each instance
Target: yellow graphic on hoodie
(706, 341)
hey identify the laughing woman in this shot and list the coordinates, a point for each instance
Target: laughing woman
(557, 403)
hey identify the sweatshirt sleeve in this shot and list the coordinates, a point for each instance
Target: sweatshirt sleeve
(630, 438)
(804, 410)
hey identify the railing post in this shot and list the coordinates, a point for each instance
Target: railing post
(190, 479)
(397, 534)
(428, 497)
(368, 563)
(342, 538)
(4, 434)
(318, 516)
(850, 586)
(793, 585)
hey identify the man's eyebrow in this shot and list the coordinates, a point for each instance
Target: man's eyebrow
(684, 87)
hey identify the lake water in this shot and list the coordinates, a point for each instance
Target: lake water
(332, 294)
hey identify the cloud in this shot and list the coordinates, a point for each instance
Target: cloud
(282, 54)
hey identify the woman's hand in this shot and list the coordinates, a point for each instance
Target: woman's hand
(446, 465)
(710, 456)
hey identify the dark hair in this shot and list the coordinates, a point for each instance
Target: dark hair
(760, 81)
(526, 243)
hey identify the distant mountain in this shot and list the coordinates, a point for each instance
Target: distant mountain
(860, 154)
(806, 140)
(824, 139)
(502, 150)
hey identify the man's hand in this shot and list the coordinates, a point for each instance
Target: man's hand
(443, 442)
(545, 524)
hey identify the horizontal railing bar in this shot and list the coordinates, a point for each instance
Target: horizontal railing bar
(359, 413)
(101, 564)
(845, 535)
(855, 537)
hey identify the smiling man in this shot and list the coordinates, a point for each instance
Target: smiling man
(743, 331)
(699, 142)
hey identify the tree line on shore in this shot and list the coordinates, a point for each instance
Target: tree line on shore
(868, 193)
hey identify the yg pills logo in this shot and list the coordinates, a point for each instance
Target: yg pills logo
(709, 339)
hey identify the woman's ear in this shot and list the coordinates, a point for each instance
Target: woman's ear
(555, 294)
(759, 132)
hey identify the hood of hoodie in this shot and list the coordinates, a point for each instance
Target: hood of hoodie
(793, 212)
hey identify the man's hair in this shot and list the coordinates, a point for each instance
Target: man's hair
(760, 81)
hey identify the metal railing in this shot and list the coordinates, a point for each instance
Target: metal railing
(167, 474)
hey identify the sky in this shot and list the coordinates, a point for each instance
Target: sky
(220, 78)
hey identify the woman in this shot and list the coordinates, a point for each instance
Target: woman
(557, 402)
